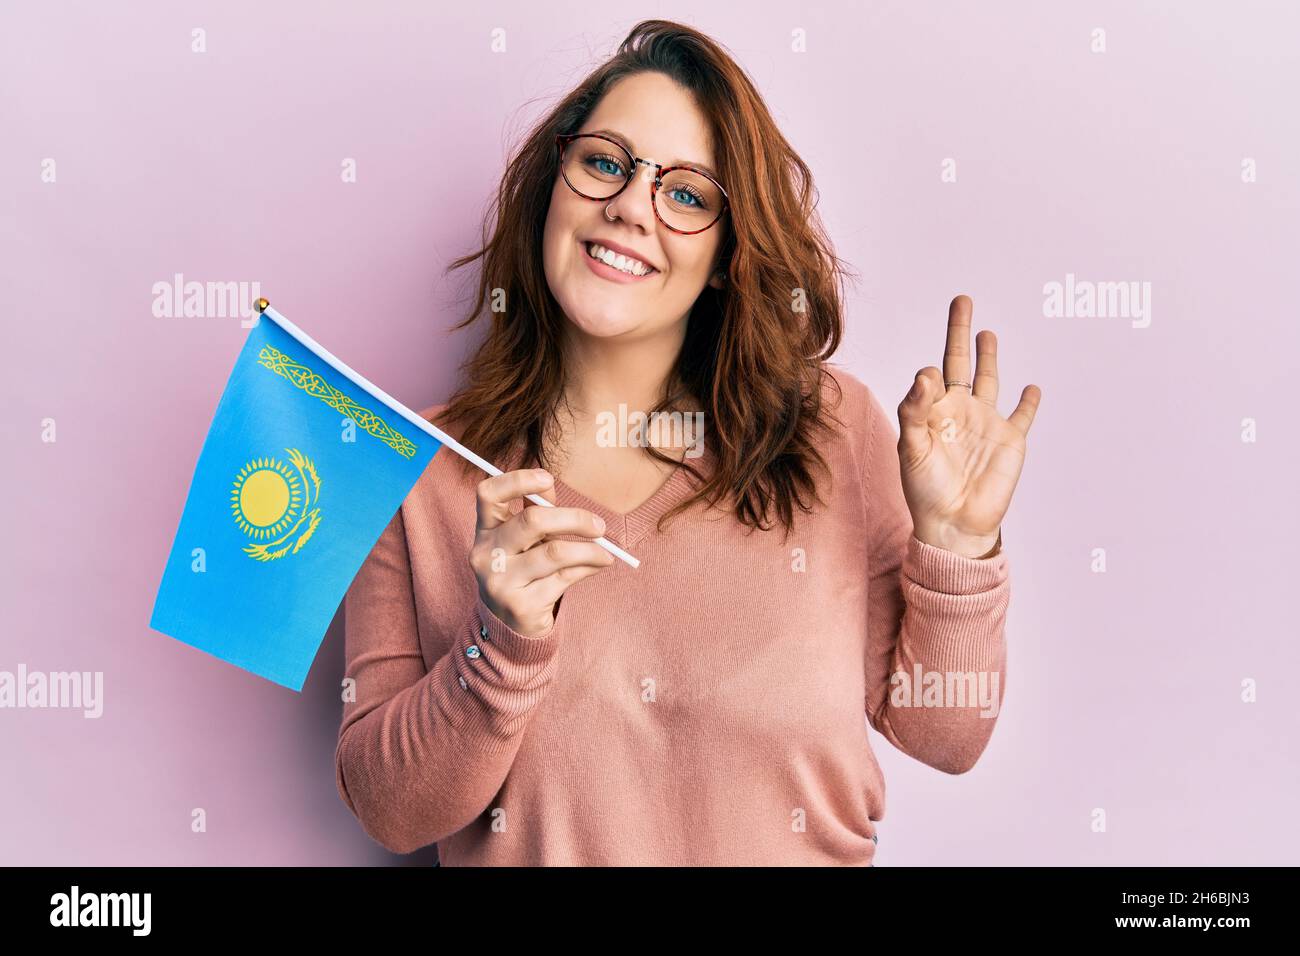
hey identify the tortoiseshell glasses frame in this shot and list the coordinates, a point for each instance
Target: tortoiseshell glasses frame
(562, 141)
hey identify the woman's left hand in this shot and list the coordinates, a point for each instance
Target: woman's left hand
(960, 459)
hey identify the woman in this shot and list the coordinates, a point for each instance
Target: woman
(655, 248)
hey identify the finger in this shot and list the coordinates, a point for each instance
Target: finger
(494, 494)
(546, 591)
(956, 352)
(986, 368)
(914, 412)
(534, 524)
(936, 380)
(1023, 416)
(545, 559)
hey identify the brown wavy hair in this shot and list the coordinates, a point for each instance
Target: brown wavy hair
(750, 355)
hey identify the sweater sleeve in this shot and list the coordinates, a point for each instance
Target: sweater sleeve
(936, 643)
(421, 753)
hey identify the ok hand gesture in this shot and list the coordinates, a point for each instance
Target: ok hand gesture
(960, 459)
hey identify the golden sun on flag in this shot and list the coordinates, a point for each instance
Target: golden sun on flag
(271, 501)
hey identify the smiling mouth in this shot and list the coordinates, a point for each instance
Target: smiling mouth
(624, 264)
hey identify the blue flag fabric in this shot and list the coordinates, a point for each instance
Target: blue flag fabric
(300, 474)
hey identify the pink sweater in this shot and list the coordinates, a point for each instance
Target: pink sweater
(707, 708)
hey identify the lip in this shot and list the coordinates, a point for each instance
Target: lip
(609, 272)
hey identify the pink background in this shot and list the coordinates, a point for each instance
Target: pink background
(1123, 688)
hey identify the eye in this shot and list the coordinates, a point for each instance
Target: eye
(606, 165)
(693, 198)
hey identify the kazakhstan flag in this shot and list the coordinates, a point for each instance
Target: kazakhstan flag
(304, 466)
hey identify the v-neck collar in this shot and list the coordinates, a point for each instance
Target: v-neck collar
(627, 528)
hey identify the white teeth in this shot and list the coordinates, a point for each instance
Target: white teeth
(622, 263)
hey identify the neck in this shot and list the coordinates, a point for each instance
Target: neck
(602, 373)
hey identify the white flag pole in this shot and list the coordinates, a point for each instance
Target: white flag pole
(264, 307)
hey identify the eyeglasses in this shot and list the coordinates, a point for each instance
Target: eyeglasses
(685, 199)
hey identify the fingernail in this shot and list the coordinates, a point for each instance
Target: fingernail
(600, 525)
(543, 475)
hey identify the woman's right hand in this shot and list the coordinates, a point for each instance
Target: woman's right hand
(521, 572)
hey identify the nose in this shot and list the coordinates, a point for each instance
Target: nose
(634, 204)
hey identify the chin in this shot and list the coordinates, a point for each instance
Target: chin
(591, 321)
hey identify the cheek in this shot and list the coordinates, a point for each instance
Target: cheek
(554, 219)
(567, 217)
(688, 261)
(561, 223)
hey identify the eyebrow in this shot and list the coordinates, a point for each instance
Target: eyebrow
(627, 144)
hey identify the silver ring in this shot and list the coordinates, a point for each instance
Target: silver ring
(608, 216)
(950, 384)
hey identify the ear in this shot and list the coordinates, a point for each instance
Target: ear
(718, 280)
